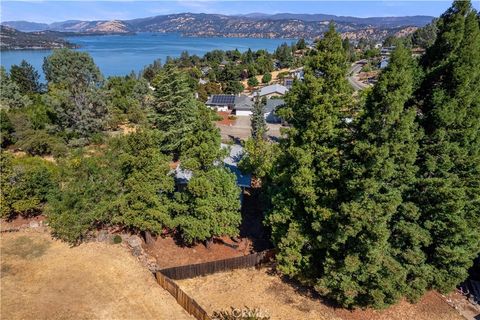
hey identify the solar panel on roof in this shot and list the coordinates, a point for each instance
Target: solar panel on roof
(224, 100)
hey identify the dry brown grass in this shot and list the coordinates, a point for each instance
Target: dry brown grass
(43, 278)
(286, 301)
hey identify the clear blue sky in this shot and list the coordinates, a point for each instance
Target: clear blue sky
(50, 11)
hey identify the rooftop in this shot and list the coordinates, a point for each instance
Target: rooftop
(274, 88)
(241, 102)
(272, 104)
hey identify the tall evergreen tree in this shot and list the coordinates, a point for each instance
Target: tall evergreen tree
(175, 109)
(258, 124)
(377, 243)
(305, 181)
(449, 188)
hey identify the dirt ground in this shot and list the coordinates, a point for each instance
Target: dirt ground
(169, 254)
(240, 129)
(259, 79)
(285, 301)
(43, 278)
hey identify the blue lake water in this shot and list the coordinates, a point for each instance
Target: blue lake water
(119, 55)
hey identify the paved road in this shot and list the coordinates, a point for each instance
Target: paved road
(353, 72)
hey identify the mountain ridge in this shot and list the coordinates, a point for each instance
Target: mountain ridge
(254, 25)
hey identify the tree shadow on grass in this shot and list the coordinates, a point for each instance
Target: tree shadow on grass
(25, 248)
(304, 290)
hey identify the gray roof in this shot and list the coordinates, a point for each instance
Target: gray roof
(274, 88)
(243, 102)
(272, 105)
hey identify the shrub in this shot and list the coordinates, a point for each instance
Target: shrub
(117, 239)
(252, 82)
(39, 143)
(267, 77)
(26, 183)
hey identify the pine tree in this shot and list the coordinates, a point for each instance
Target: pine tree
(305, 183)
(175, 109)
(258, 124)
(449, 188)
(376, 242)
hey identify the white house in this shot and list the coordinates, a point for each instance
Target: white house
(241, 105)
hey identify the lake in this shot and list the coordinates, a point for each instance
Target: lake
(120, 54)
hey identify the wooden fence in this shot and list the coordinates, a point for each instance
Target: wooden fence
(201, 269)
(189, 304)
(164, 277)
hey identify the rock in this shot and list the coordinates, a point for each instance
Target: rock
(136, 244)
(136, 251)
(134, 241)
(34, 224)
(103, 236)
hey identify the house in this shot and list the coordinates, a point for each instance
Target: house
(270, 110)
(273, 90)
(386, 51)
(241, 105)
(297, 73)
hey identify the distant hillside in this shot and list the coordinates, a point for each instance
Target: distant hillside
(11, 39)
(255, 25)
(26, 26)
(381, 22)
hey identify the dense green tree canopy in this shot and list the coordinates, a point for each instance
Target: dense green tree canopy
(376, 243)
(305, 181)
(73, 69)
(26, 183)
(26, 77)
(209, 207)
(449, 188)
(175, 108)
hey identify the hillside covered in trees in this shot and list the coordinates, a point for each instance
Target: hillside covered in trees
(369, 197)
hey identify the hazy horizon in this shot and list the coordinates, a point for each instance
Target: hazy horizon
(55, 11)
